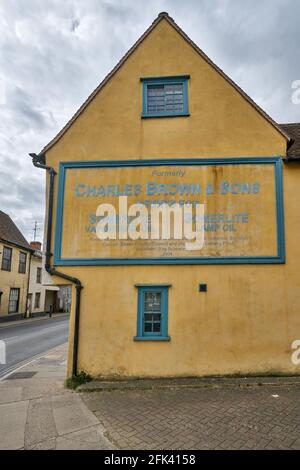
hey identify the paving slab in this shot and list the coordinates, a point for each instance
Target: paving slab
(11, 394)
(63, 443)
(40, 423)
(12, 425)
(47, 444)
(70, 414)
(93, 435)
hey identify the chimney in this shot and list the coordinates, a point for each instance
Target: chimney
(36, 245)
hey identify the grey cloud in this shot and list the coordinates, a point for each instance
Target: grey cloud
(74, 24)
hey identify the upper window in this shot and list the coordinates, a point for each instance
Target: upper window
(165, 96)
(6, 259)
(38, 275)
(22, 262)
(152, 313)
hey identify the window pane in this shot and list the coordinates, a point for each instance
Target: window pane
(22, 263)
(152, 301)
(148, 317)
(173, 88)
(7, 253)
(156, 90)
(13, 304)
(6, 259)
(148, 327)
(152, 312)
(37, 300)
(165, 98)
(5, 265)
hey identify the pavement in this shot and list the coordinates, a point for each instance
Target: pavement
(4, 324)
(25, 339)
(38, 413)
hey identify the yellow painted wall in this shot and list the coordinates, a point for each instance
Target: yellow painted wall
(13, 279)
(249, 317)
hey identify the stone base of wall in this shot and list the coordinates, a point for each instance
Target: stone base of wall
(43, 314)
(11, 317)
(39, 314)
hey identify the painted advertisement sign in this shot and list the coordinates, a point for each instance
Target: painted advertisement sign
(241, 198)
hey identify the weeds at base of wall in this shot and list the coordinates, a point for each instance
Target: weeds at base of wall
(76, 380)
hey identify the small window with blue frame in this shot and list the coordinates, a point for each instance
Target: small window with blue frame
(152, 322)
(165, 96)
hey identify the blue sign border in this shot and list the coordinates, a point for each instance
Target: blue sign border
(276, 161)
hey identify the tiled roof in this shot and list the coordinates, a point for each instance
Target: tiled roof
(161, 16)
(293, 131)
(10, 233)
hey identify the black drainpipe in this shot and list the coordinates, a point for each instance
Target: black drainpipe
(39, 162)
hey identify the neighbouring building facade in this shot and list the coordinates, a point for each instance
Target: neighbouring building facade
(41, 298)
(15, 255)
(168, 126)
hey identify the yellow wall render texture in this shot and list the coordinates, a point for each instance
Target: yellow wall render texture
(249, 317)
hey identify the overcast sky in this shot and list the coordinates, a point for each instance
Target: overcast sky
(53, 53)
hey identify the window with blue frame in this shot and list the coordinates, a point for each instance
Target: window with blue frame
(165, 96)
(152, 321)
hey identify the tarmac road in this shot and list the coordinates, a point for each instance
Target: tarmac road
(27, 340)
